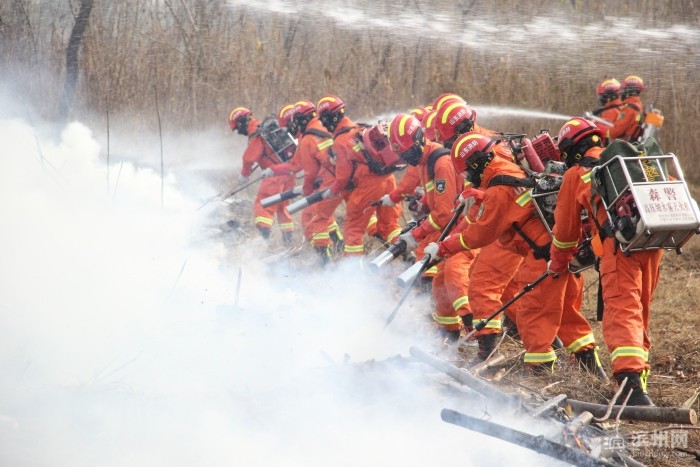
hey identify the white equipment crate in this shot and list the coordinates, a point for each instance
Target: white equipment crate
(667, 215)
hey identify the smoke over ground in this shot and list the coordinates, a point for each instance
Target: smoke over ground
(120, 343)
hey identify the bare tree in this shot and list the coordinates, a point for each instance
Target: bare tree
(72, 52)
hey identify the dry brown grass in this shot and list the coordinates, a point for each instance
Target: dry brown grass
(201, 58)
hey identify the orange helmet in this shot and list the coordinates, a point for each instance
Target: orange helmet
(376, 142)
(447, 97)
(471, 153)
(303, 112)
(428, 125)
(632, 86)
(608, 90)
(576, 137)
(238, 119)
(406, 138)
(453, 119)
(330, 111)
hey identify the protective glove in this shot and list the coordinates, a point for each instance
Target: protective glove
(420, 191)
(386, 200)
(297, 190)
(556, 268)
(243, 179)
(411, 242)
(267, 173)
(432, 249)
(325, 194)
(469, 198)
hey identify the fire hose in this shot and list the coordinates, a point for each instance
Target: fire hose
(279, 197)
(422, 265)
(395, 250)
(306, 201)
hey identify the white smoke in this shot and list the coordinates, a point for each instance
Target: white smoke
(123, 340)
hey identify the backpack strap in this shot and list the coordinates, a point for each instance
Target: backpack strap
(510, 180)
(432, 159)
(317, 132)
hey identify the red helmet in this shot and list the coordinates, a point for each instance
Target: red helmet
(608, 90)
(304, 107)
(330, 111)
(406, 138)
(330, 103)
(376, 142)
(447, 97)
(236, 115)
(469, 149)
(632, 85)
(572, 142)
(428, 125)
(284, 116)
(419, 112)
(453, 119)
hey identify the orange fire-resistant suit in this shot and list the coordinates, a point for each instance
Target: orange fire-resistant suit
(628, 282)
(612, 112)
(540, 312)
(258, 151)
(407, 185)
(318, 219)
(360, 187)
(631, 118)
(451, 277)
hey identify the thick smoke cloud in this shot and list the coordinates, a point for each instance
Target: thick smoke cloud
(121, 342)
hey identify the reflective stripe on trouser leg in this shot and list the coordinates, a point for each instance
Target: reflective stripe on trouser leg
(263, 221)
(539, 357)
(287, 227)
(581, 343)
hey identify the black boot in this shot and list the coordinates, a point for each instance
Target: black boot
(487, 344)
(325, 253)
(265, 232)
(589, 361)
(637, 385)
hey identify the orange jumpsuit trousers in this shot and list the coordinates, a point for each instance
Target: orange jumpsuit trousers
(359, 210)
(264, 217)
(451, 290)
(628, 285)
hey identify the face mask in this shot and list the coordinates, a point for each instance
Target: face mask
(413, 155)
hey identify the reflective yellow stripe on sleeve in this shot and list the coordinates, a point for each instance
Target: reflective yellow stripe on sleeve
(563, 245)
(523, 199)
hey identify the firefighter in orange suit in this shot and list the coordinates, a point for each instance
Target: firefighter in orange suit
(241, 120)
(320, 226)
(628, 282)
(507, 214)
(442, 185)
(608, 92)
(355, 182)
(632, 108)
